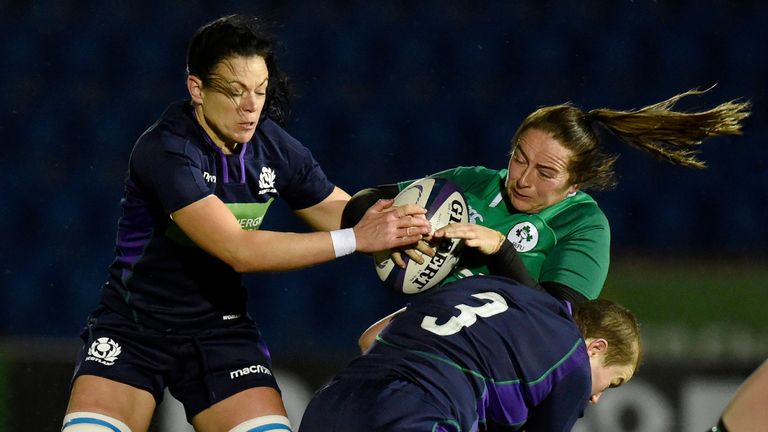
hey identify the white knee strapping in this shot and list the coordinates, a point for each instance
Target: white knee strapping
(92, 422)
(264, 424)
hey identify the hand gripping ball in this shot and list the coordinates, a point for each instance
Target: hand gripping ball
(445, 204)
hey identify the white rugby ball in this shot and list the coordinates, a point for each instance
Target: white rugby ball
(445, 204)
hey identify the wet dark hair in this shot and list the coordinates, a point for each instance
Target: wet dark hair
(239, 35)
(657, 129)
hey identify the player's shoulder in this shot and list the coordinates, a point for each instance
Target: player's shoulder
(270, 133)
(468, 171)
(580, 209)
(173, 132)
(472, 177)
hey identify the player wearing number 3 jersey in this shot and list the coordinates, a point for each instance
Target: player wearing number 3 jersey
(480, 354)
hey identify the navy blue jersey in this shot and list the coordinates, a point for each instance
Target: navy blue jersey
(501, 354)
(159, 277)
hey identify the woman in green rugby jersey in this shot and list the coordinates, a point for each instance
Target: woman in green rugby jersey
(538, 203)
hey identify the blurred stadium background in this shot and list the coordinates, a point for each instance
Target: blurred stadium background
(388, 91)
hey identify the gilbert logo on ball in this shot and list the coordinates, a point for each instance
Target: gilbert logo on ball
(445, 204)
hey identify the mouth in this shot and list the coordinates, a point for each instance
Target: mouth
(247, 125)
(518, 195)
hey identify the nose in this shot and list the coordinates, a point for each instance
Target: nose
(250, 103)
(523, 180)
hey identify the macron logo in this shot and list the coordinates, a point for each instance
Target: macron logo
(208, 177)
(249, 370)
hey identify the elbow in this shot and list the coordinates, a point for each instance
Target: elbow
(239, 266)
(240, 261)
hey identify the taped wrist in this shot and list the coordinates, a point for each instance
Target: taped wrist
(344, 242)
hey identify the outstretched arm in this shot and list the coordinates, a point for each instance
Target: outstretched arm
(210, 224)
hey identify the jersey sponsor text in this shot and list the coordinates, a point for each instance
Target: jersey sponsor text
(250, 223)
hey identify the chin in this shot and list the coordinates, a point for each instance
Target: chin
(519, 206)
(242, 137)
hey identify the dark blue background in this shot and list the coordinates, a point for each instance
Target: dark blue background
(386, 91)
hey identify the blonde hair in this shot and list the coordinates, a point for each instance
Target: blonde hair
(604, 319)
(657, 129)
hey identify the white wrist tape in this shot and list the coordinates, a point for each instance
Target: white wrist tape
(344, 241)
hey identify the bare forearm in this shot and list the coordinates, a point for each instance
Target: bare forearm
(210, 225)
(271, 251)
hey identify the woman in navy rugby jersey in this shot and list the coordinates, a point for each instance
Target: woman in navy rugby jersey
(482, 353)
(201, 179)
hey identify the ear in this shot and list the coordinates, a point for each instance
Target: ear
(597, 347)
(195, 89)
(573, 188)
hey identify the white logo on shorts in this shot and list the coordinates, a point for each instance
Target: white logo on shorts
(524, 236)
(104, 350)
(249, 370)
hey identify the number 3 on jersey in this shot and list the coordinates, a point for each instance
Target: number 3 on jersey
(468, 315)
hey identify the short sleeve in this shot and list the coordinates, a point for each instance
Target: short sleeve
(301, 181)
(581, 257)
(170, 169)
(310, 185)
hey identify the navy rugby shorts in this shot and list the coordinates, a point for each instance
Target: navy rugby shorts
(352, 404)
(199, 368)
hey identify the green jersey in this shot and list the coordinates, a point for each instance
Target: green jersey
(567, 243)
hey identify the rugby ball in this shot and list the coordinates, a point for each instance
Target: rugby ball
(445, 204)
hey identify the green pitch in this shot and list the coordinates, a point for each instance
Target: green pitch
(711, 311)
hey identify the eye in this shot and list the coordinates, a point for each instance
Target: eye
(235, 92)
(617, 383)
(546, 174)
